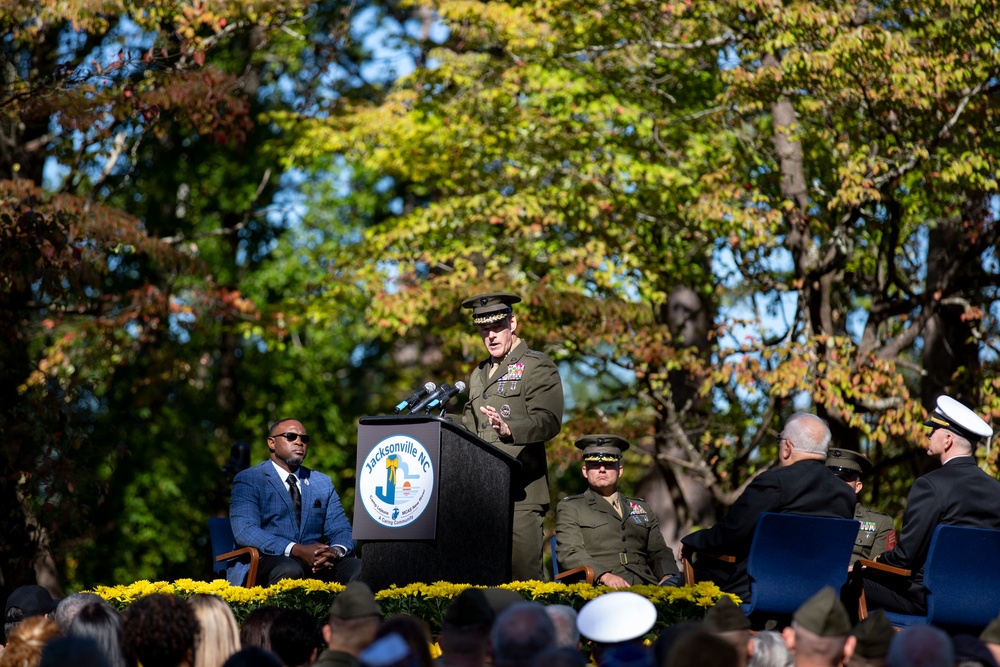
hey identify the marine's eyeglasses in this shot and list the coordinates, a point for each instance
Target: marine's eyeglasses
(292, 437)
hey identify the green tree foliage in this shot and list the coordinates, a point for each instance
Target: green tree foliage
(146, 262)
(717, 213)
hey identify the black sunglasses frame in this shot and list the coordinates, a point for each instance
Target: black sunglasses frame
(292, 437)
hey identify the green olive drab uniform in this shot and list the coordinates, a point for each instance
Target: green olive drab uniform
(877, 534)
(590, 532)
(527, 392)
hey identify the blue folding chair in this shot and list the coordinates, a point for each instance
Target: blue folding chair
(225, 551)
(961, 578)
(582, 573)
(793, 556)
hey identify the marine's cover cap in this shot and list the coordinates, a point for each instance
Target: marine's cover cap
(356, 601)
(491, 307)
(823, 614)
(616, 617)
(840, 460)
(955, 417)
(725, 616)
(32, 600)
(874, 635)
(602, 448)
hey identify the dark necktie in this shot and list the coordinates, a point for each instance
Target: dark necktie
(293, 491)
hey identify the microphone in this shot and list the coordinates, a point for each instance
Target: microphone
(417, 395)
(437, 400)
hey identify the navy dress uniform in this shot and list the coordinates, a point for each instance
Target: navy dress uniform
(958, 493)
(626, 541)
(877, 533)
(525, 389)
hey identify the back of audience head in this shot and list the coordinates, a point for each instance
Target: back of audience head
(75, 651)
(294, 637)
(520, 633)
(415, 632)
(727, 621)
(25, 602)
(668, 637)
(159, 630)
(27, 640)
(768, 649)
(70, 606)
(563, 617)
(971, 651)
(219, 635)
(874, 635)
(465, 628)
(257, 625)
(702, 649)
(354, 619)
(560, 656)
(920, 646)
(252, 656)
(100, 622)
(820, 633)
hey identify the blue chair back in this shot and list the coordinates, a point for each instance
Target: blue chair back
(793, 556)
(223, 541)
(555, 561)
(962, 578)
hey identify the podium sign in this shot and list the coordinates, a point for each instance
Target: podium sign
(454, 520)
(398, 477)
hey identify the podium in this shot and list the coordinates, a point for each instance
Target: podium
(433, 502)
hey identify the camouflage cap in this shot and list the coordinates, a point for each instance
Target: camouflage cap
(491, 307)
(725, 616)
(823, 614)
(602, 448)
(356, 601)
(874, 635)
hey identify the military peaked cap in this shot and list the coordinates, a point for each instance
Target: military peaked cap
(602, 448)
(492, 307)
(952, 415)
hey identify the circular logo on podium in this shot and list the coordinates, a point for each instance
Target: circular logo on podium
(395, 481)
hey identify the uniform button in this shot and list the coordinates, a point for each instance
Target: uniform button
(623, 538)
(486, 394)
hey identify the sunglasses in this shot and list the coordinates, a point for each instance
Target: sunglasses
(292, 437)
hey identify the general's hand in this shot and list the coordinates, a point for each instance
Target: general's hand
(613, 581)
(496, 421)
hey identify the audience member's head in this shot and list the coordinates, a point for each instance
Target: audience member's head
(257, 625)
(727, 621)
(100, 622)
(768, 649)
(25, 602)
(415, 632)
(703, 649)
(971, 651)
(820, 633)
(874, 635)
(991, 637)
(920, 646)
(70, 606)
(615, 618)
(465, 629)
(27, 640)
(219, 637)
(668, 637)
(564, 618)
(561, 656)
(354, 619)
(159, 630)
(252, 656)
(501, 598)
(520, 633)
(74, 651)
(295, 637)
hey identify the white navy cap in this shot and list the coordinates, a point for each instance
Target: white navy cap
(952, 415)
(616, 617)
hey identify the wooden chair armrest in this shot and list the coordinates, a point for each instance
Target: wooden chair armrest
(882, 567)
(858, 577)
(254, 562)
(688, 571)
(584, 572)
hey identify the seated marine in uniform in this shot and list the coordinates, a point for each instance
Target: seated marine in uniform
(877, 533)
(619, 537)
